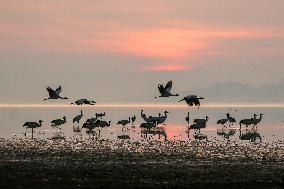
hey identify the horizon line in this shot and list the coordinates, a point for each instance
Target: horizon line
(146, 105)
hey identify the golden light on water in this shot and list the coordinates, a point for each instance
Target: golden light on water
(145, 105)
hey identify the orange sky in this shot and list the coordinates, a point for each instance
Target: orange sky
(104, 43)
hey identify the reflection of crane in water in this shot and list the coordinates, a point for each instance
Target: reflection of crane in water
(226, 133)
(250, 135)
(160, 131)
(187, 118)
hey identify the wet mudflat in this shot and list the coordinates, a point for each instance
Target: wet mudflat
(103, 163)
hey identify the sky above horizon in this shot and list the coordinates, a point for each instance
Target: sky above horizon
(113, 50)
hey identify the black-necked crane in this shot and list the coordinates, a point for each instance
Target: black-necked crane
(123, 122)
(133, 118)
(163, 118)
(198, 126)
(166, 91)
(84, 101)
(78, 117)
(144, 117)
(192, 100)
(223, 121)
(247, 122)
(201, 120)
(104, 124)
(58, 122)
(91, 127)
(33, 125)
(155, 119)
(54, 94)
(230, 118)
(92, 120)
(256, 121)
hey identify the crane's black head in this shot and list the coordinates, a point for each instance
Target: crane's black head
(166, 112)
(40, 121)
(64, 117)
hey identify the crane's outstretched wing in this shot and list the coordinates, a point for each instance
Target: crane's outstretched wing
(58, 90)
(168, 86)
(161, 89)
(51, 92)
(191, 97)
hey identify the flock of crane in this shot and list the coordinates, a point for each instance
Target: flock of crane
(149, 124)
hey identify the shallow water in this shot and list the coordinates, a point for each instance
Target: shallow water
(12, 119)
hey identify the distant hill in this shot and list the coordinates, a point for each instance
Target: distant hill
(237, 92)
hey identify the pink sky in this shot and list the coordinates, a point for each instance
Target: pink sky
(141, 29)
(194, 43)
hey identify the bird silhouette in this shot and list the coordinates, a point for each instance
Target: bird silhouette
(247, 122)
(166, 91)
(256, 121)
(33, 125)
(78, 117)
(192, 100)
(123, 122)
(223, 121)
(84, 101)
(197, 126)
(58, 122)
(54, 94)
(231, 119)
(201, 120)
(163, 118)
(133, 118)
(144, 117)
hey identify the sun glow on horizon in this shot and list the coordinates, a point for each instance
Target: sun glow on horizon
(147, 105)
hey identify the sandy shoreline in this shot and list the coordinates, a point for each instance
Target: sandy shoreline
(103, 163)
